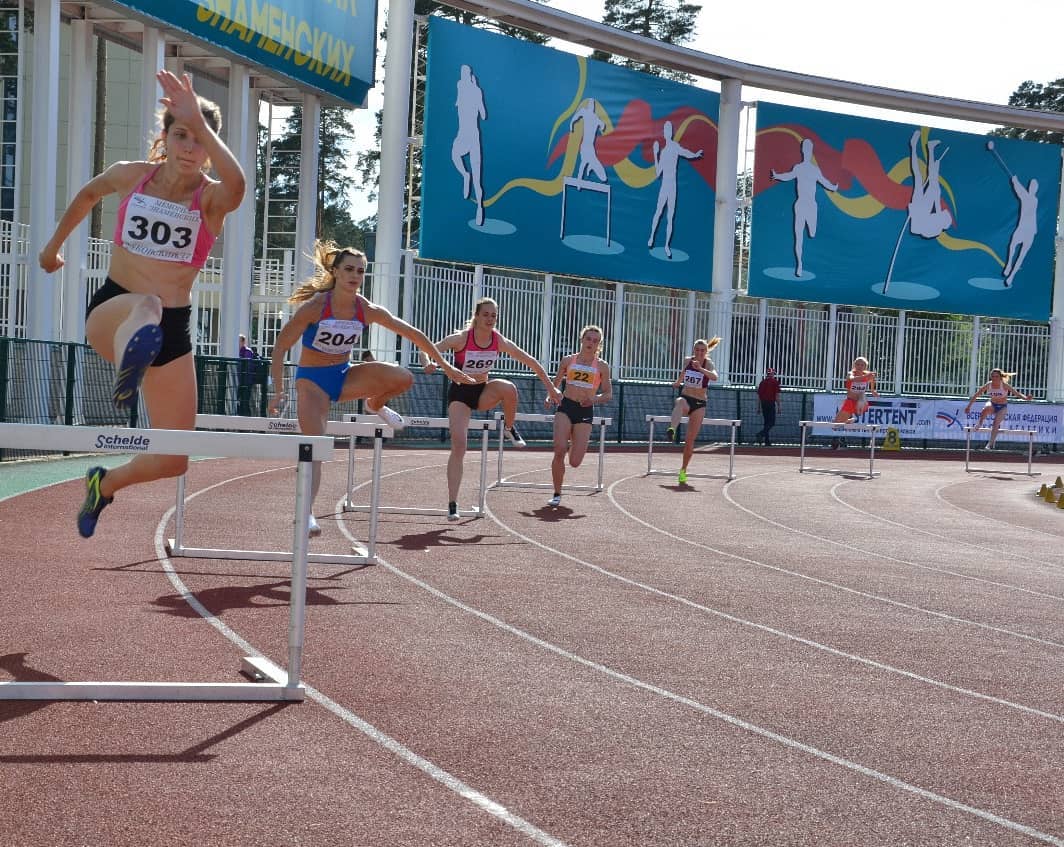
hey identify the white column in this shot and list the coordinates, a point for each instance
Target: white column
(973, 358)
(81, 91)
(722, 298)
(307, 204)
(395, 140)
(762, 340)
(42, 301)
(1055, 369)
(153, 53)
(727, 185)
(478, 285)
(239, 237)
(689, 329)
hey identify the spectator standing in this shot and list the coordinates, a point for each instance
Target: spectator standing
(246, 373)
(768, 392)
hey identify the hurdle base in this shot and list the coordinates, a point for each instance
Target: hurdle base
(471, 512)
(840, 472)
(545, 486)
(361, 556)
(177, 692)
(676, 472)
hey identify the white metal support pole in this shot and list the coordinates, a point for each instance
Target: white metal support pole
(239, 237)
(43, 288)
(79, 171)
(973, 357)
(762, 340)
(617, 345)
(689, 329)
(298, 592)
(153, 55)
(478, 284)
(899, 353)
(546, 322)
(395, 139)
(1055, 370)
(833, 339)
(307, 208)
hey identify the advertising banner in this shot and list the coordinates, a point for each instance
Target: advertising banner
(538, 159)
(944, 420)
(325, 45)
(874, 213)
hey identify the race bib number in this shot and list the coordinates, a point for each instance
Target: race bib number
(158, 229)
(581, 376)
(479, 362)
(335, 336)
(693, 379)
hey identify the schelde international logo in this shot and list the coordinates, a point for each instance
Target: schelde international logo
(282, 426)
(123, 443)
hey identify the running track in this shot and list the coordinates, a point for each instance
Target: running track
(785, 659)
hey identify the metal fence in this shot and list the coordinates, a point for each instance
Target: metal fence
(647, 330)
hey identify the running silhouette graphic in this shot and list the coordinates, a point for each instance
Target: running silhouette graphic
(927, 218)
(471, 111)
(666, 160)
(1026, 227)
(592, 126)
(806, 176)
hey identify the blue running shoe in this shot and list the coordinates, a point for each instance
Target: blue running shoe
(144, 345)
(94, 502)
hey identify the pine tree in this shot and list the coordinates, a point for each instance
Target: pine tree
(1045, 98)
(669, 21)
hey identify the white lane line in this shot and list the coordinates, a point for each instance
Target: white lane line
(791, 743)
(982, 517)
(1010, 552)
(447, 780)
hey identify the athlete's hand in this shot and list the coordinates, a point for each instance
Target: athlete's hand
(50, 260)
(430, 368)
(456, 375)
(555, 396)
(278, 403)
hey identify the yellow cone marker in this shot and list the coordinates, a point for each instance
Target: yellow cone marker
(892, 440)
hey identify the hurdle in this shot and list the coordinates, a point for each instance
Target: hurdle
(1030, 433)
(362, 556)
(277, 683)
(653, 419)
(871, 429)
(482, 425)
(599, 421)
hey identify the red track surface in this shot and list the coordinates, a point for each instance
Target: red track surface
(785, 659)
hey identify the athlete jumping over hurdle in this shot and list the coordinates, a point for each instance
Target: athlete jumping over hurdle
(694, 379)
(860, 382)
(168, 218)
(584, 380)
(476, 350)
(329, 325)
(997, 390)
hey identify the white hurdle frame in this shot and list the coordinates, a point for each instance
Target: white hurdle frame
(286, 426)
(481, 425)
(653, 419)
(871, 429)
(1030, 433)
(600, 421)
(277, 683)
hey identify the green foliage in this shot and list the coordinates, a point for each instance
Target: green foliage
(669, 21)
(1048, 97)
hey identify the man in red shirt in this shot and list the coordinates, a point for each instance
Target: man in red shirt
(768, 392)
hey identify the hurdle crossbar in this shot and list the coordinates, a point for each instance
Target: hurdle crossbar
(597, 421)
(276, 684)
(481, 425)
(362, 555)
(1030, 433)
(653, 419)
(871, 429)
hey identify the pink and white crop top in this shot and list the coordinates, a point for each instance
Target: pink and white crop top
(474, 359)
(161, 229)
